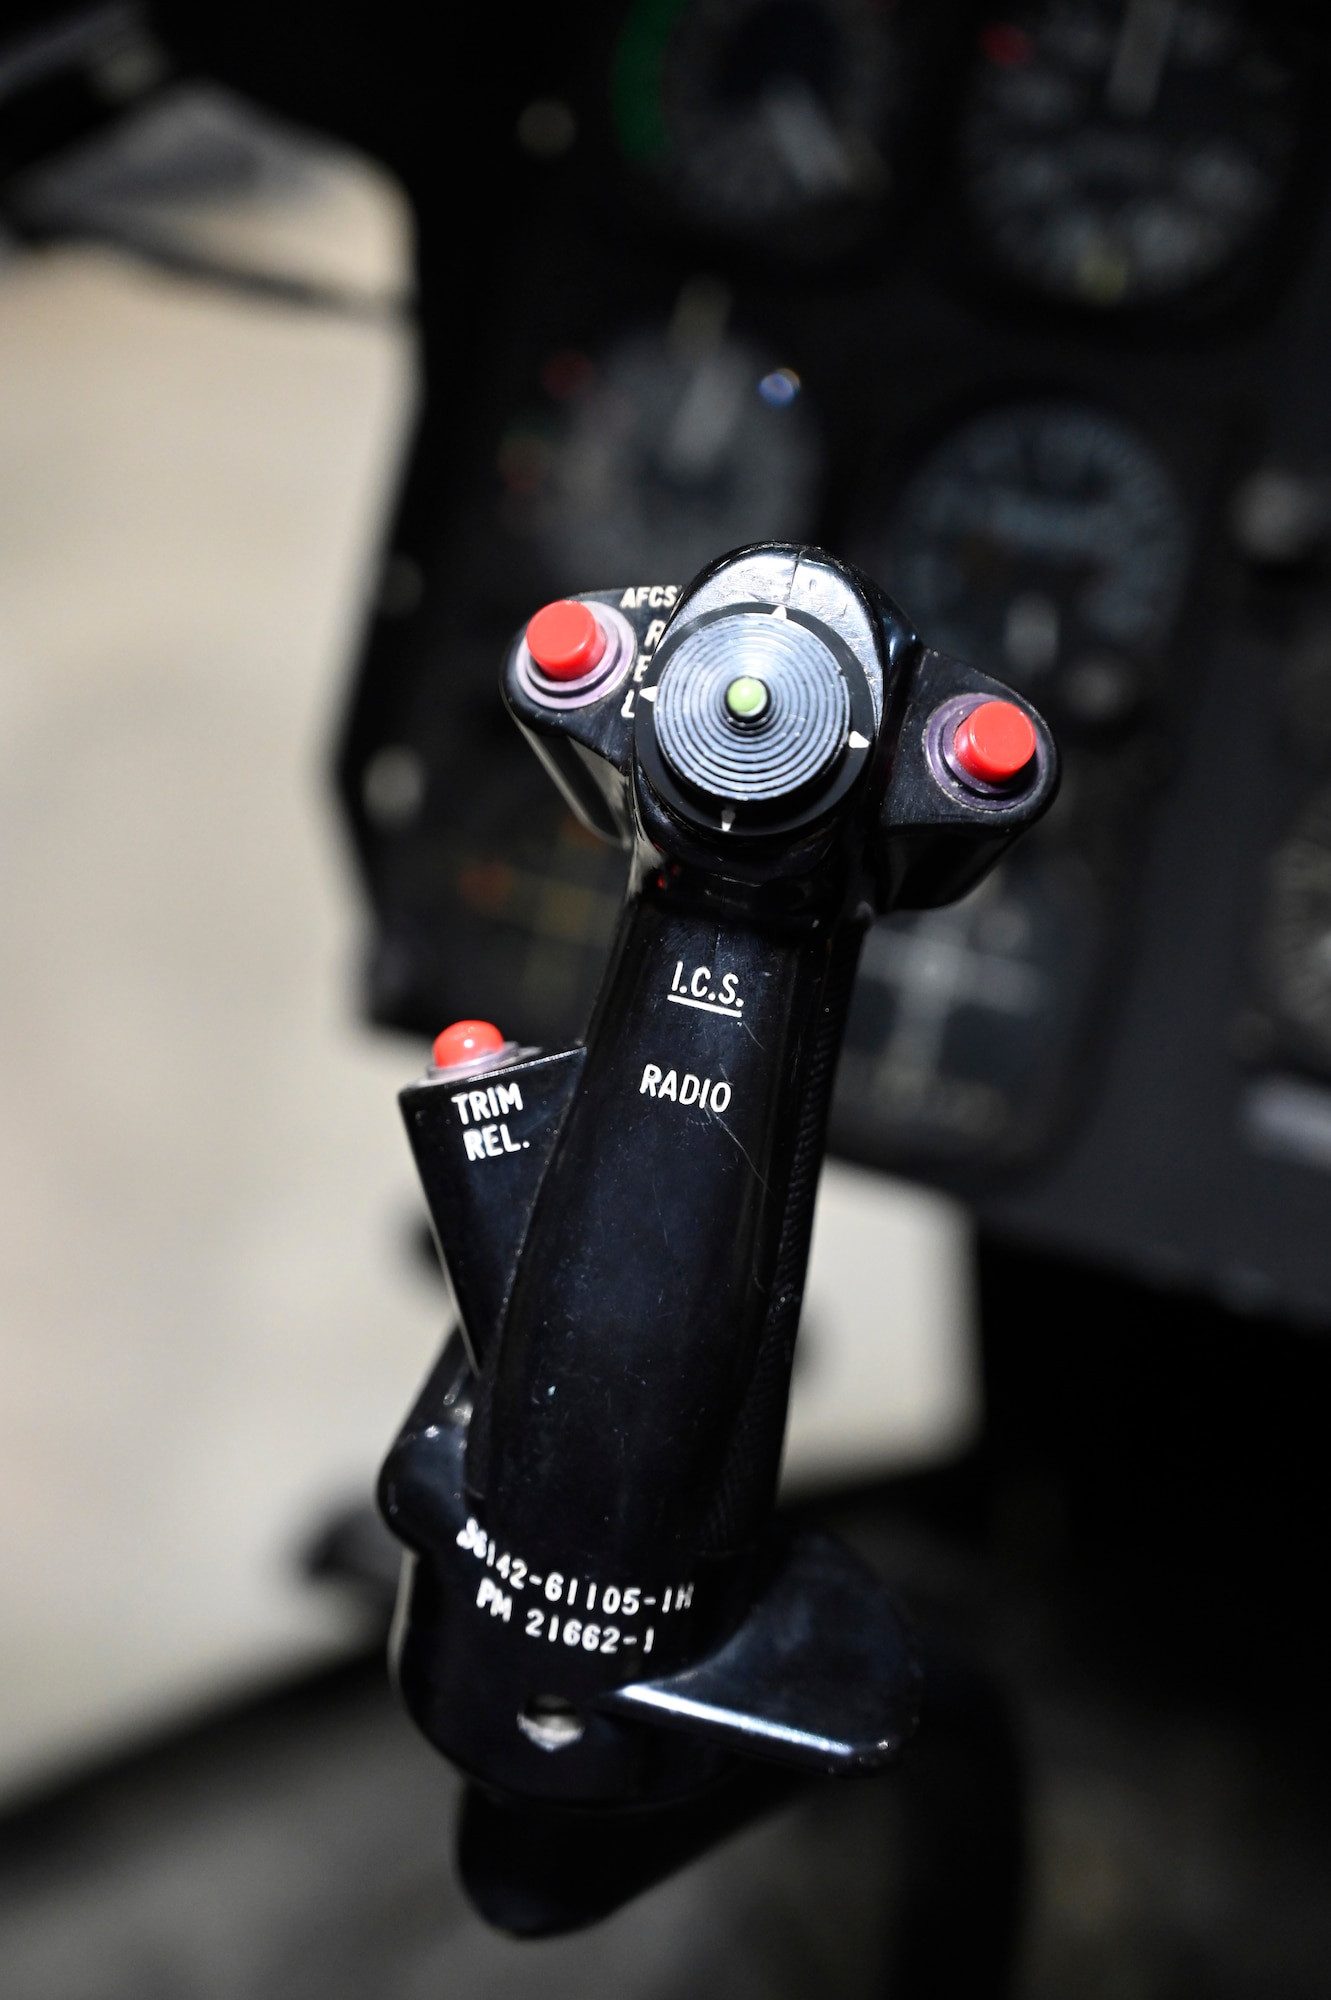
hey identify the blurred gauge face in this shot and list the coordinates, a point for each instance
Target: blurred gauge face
(1044, 543)
(965, 1019)
(1122, 152)
(674, 450)
(751, 114)
(1297, 937)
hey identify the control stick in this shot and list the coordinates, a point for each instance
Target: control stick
(601, 1623)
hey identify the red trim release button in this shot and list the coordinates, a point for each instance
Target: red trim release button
(465, 1042)
(995, 742)
(565, 640)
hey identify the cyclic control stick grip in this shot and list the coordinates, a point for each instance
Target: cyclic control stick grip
(599, 1623)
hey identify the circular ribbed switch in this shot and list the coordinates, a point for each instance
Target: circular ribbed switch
(751, 708)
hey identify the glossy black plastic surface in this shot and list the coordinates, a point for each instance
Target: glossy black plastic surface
(509, 1124)
(822, 1675)
(596, 1614)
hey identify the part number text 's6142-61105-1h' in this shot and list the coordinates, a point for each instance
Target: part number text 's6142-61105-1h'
(579, 1597)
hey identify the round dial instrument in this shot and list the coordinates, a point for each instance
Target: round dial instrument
(754, 115)
(677, 446)
(1123, 152)
(1047, 544)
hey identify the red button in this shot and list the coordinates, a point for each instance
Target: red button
(465, 1041)
(565, 640)
(995, 742)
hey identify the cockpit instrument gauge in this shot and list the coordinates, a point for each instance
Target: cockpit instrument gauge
(1047, 542)
(677, 446)
(758, 118)
(1122, 153)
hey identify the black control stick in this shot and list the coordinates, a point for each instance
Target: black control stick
(600, 1624)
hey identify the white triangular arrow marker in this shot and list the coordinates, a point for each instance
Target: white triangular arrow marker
(727, 819)
(858, 742)
(648, 694)
(778, 611)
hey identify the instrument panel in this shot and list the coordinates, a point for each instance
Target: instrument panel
(1017, 309)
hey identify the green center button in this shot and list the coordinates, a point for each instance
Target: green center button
(747, 698)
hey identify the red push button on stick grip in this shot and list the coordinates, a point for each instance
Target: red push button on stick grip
(466, 1042)
(994, 743)
(565, 640)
